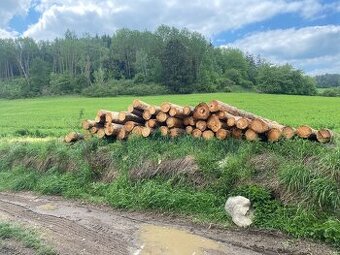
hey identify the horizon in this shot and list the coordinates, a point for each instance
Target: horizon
(305, 34)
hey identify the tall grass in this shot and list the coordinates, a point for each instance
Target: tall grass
(300, 185)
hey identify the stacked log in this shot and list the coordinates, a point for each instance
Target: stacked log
(205, 120)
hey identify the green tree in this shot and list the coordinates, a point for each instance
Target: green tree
(176, 67)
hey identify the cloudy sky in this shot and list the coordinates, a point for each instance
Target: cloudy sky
(305, 33)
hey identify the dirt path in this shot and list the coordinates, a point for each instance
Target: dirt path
(73, 227)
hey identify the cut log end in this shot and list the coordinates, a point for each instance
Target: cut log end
(288, 132)
(222, 134)
(251, 135)
(259, 126)
(174, 132)
(201, 111)
(196, 133)
(162, 117)
(242, 123)
(201, 125)
(146, 131)
(73, 137)
(189, 129)
(164, 130)
(324, 135)
(88, 124)
(208, 134)
(305, 131)
(274, 135)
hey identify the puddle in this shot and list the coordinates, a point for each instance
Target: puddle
(156, 240)
(48, 207)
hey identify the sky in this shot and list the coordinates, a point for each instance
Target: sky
(304, 33)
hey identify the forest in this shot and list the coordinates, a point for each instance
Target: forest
(131, 62)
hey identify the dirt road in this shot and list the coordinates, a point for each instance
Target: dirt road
(72, 227)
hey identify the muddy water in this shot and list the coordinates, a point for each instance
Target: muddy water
(157, 240)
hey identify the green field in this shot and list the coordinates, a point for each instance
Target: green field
(57, 115)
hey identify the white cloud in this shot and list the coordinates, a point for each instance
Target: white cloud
(207, 17)
(314, 49)
(8, 34)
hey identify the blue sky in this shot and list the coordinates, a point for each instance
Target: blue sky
(305, 33)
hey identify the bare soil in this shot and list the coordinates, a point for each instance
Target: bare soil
(75, 227)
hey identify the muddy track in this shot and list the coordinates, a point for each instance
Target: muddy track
(72, 227)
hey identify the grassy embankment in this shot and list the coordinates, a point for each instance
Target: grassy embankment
(294, 185)
(26, 237)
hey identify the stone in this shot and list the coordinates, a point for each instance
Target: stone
(238, 208)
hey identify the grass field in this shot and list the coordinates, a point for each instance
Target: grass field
(57, 115)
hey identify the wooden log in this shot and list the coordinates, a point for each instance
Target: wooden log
(227, 117)
(94, 130)
(135, 111)
(236, 133)
(146, 131)
(147, 115)
(305, 131)
(189, 129)
(173, 122)
(188, 110)
(189, 121)
(215, 124)
(251, 135)
(288, 132)
(113, 129)
(127, 116)
(196, 133)
(152, 123)
(201, 112)
(177, 112)
(101, 116)
(324, 135)
(137, 130)
(201, 125)
(73, 137)
(242, 123)
(101, 133)
(164, 130)
(208, 134)
(153, 109)
(129, 125)
(112, 117)
(140, 105)
(215, 106)
(87, 124)
(222, 134)
(274, 134)
(174, 132)
(162, 117)
(166, 106)
(260, 125)
(123, 134)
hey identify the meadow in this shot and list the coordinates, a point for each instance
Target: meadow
(293, 184)
(55, 116)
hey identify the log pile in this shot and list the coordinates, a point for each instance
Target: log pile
(206, 120)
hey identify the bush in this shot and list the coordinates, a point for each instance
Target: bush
(124, 87)
(331, 92)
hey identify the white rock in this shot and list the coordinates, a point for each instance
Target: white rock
(238, 208)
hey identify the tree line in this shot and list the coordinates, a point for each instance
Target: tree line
(131, 62)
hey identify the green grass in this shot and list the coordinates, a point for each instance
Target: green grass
(304, 202)
(54, 116)
(27, 237)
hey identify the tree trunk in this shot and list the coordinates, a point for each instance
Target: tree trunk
(189, 129)
(174, 132)
(126, 116)
(165, 107)
(87, 124)
(208, 134)
(129, 125)
(162, 117)
(305, 131)
(288, 132)
(251, 135)
(173, 122)
(196, 133)
(324, 135)
(222, 134)
(140, 105)
(113, 129)
(73, 137)
(215, 124)
(164, 130)
(201, 112)
(201, 125)
(135, 111)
